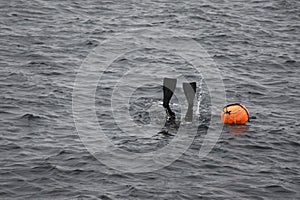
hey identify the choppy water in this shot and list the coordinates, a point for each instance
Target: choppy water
(255, 45)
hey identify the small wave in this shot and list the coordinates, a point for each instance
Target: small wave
(30, 117)
(278, 189)
(290, 61)
(9, 147)
(42, 167)
(256, 146)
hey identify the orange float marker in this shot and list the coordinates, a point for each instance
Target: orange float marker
(235, 114)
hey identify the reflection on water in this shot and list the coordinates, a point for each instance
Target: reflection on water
(238, 130)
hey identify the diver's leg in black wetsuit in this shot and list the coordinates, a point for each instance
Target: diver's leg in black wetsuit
(189, 91)
(169, 86)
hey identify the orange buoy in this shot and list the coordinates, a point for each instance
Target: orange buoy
(235, 114)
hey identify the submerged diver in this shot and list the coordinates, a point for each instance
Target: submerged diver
(189, 89)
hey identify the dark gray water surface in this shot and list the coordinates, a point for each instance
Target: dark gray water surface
(255, 45)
